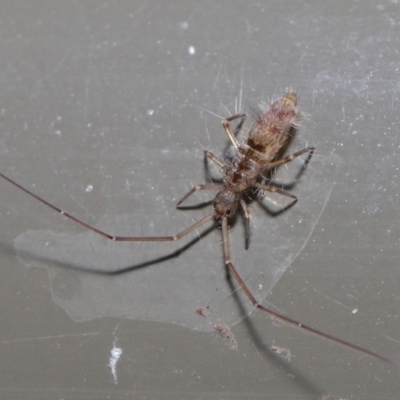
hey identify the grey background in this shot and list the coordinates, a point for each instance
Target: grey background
(107, 94)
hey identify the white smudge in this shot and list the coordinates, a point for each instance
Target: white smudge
(116, 353)
(284, 353)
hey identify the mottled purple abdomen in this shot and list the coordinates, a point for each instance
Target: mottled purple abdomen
(272, 126)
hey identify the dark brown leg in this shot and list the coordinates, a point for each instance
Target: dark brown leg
(111, 237)
(210, 186)
(280, 317)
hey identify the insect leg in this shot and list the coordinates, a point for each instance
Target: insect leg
(228, 129)
(173, 238)
(210, 186)
(229, 264)
(215, 159)
(282, 318)
(274, 189)
(290, 157)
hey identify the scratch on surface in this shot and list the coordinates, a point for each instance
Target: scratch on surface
(217, 76)
(81, 206)
(315, 223)
(335, 301)
(259, 354)
(390, 338)
(49, 337)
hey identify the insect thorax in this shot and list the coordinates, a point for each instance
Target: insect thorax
(226, 202)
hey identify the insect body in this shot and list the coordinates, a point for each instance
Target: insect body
(246, 171)
(256, 156)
